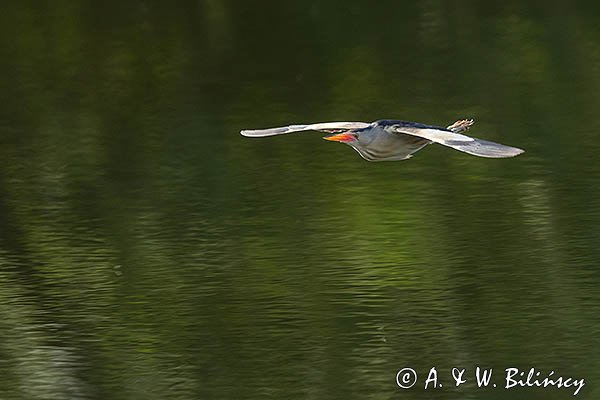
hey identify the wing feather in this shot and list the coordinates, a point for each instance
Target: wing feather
(464, 143)
(321, 126)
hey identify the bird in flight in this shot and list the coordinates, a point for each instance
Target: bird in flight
(392, 140)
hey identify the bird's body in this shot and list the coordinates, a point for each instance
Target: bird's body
(378, 144)
(392, 140)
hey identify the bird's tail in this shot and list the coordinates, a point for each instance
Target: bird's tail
(461, 125)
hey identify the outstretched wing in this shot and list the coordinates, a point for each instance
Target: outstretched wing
(329, 127)
(457, 141)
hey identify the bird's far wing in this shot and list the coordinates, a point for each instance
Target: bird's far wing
(462, 125)
(467, 144)
(329, 127)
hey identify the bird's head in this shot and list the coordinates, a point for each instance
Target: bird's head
(364, 141)
(357, 138)
(345, 137)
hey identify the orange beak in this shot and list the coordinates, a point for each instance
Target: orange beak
(341, 137)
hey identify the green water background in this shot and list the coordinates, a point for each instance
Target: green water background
(148, 251)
